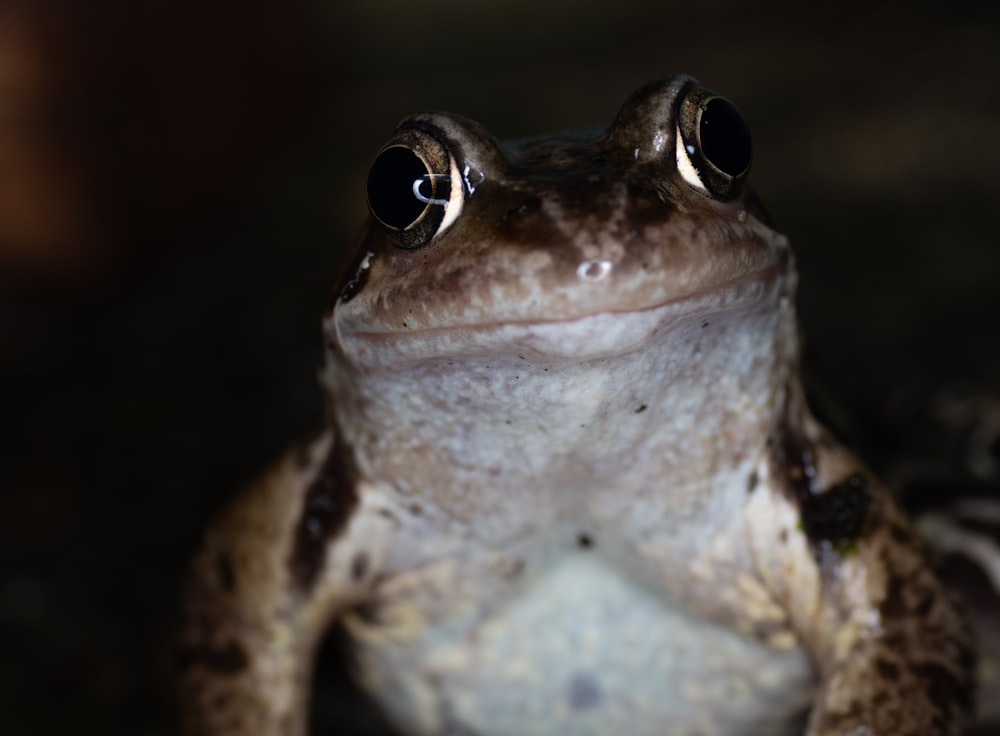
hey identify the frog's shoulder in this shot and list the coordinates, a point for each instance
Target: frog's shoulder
(289, 547)
(858, 581)
(289, 513)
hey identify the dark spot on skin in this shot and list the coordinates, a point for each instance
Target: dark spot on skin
(901, 534)
(641, 409)
(584, 692)
(833, 519)
(416, 509)
(645, 208)
(881, 698)
(705, 324)
(517, 222)
(894, 641)
(947, 691)
(926, 604)
(584, 540)
(838, 514)
(353, 278)
(369, 611)
(783, 536)
(752, 482)
(514, 570)
(908, 599)
(227, 573)
(359, 566)
(353, 287)
(841, 720)
(328, 505)
(228, 660)
(887, 670)
(221, 701)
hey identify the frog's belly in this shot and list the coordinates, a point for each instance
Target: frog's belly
(583, 652)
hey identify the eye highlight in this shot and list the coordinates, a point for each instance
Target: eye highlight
(714, 148)
(414, 188)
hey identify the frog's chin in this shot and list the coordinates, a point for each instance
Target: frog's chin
(588, 337)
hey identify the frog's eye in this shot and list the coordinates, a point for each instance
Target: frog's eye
(414, 188)
(713, 144)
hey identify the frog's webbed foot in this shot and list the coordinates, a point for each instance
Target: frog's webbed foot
(292, 550)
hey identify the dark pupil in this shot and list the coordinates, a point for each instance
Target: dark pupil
(725, 139)
(390, 187)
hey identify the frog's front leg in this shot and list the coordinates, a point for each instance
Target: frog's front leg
(295, 548)
(892, 651)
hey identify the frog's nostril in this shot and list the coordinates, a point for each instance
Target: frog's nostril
(594, 270)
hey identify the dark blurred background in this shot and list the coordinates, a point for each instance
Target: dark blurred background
(179, 182)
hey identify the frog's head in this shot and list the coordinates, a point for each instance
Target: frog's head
(564, 247)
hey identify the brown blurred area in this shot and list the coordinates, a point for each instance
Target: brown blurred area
(179, 182)
(47, 210)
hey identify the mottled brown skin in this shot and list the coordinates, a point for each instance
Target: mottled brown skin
(917, 664)
(564, 409)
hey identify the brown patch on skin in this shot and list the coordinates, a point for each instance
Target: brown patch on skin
(752, 482)
(921, 667)
(893, 605)
(887, 670)
(327, 507)
(947, 691)
(369, 611)
(516, 222)
(901, 534)
(584, 540)
(769, 632)
(226, 572)
(913, 674)
(359, 566)
(514, 570)
(644, 208)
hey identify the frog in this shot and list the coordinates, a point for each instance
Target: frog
(569, 481)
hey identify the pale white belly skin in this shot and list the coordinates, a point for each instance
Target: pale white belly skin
(581, 650)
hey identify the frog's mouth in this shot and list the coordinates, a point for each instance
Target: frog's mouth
(589, 336)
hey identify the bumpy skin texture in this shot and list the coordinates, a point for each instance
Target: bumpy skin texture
(893, 653)
(569, 483)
